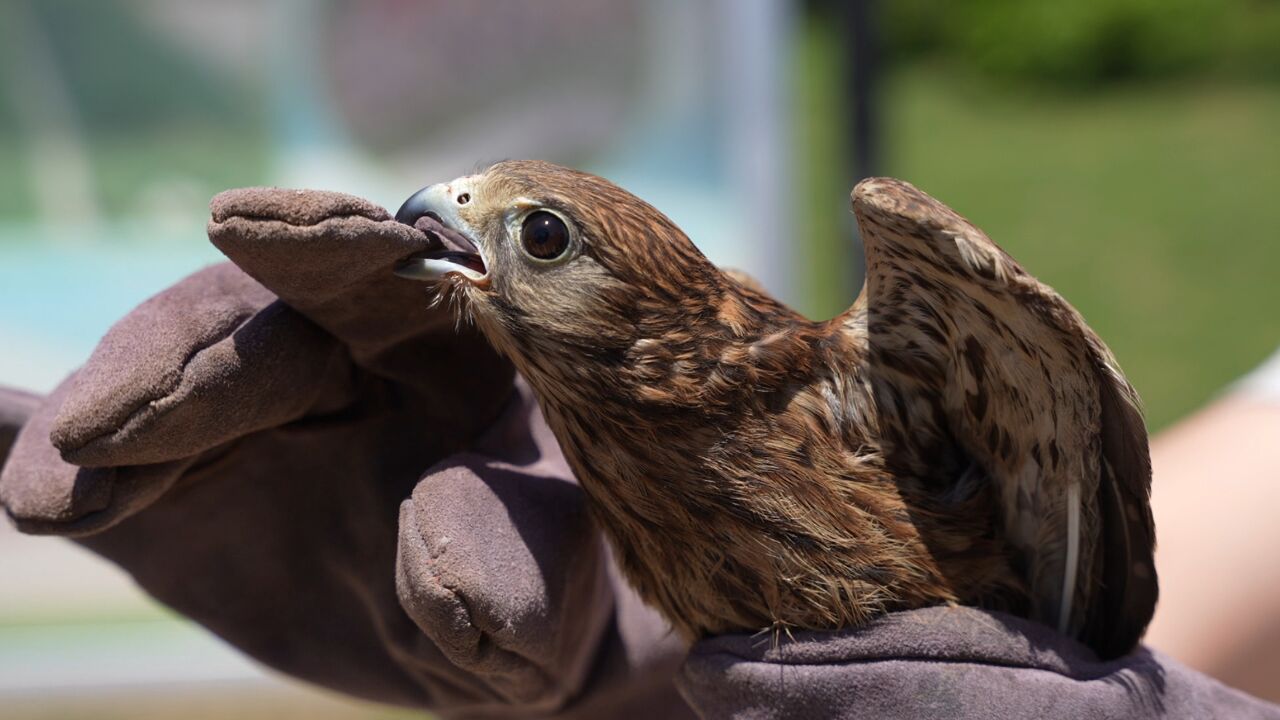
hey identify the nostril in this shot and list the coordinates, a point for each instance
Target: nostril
(464, 198)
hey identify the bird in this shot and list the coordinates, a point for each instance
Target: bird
(959, 436)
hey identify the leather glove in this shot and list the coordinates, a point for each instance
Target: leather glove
(304, 457)
(947, 662)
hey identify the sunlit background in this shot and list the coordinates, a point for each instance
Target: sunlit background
(1127, 152)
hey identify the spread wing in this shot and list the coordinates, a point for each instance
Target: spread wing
(966, 349)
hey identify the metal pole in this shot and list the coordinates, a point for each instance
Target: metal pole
(862, 74)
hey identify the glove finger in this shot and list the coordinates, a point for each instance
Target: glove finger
(44, 494)
(501, 567)
(210, 359)
(16, 407)
(331, 256)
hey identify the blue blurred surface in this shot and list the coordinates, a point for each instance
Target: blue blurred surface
(57, 298)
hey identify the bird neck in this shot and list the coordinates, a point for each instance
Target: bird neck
(695, 354)
(694, 368)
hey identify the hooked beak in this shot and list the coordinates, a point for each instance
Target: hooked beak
(433, 210)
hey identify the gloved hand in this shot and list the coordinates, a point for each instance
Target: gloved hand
(301, 455)
(947, 662)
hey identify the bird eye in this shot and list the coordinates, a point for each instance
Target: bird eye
(544, 235)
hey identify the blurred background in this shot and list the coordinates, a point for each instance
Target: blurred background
(1127, 152)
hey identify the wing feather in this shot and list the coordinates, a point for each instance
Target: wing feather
(969, 350)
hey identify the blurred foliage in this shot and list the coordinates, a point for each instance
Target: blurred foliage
(128, 79)
(827, 263)
(154, 119)
(1086, 42)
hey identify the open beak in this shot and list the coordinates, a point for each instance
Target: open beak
(433, 211)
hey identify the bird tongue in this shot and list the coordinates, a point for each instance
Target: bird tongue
(442, 237)
(448, 244)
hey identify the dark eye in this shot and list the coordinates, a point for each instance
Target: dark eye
(544, 235)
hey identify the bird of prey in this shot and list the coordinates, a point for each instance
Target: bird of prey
(958, 436)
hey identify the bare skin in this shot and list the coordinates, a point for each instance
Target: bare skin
(1215, 496)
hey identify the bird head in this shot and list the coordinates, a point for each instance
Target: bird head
(549, 260)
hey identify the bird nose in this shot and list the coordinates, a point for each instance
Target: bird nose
(424, 203)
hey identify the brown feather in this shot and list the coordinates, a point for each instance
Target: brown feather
(1032, 394)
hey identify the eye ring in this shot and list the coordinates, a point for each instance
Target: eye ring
(545, 236)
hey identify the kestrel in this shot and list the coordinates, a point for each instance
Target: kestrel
(959, 435)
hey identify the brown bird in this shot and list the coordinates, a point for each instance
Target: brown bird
(959, 435)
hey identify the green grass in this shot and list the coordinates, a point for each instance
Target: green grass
(1153, 210)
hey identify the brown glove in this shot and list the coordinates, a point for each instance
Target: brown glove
(251, 445)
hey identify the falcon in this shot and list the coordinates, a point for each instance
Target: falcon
(958, 436)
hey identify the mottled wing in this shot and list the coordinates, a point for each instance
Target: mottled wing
(966, 349)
